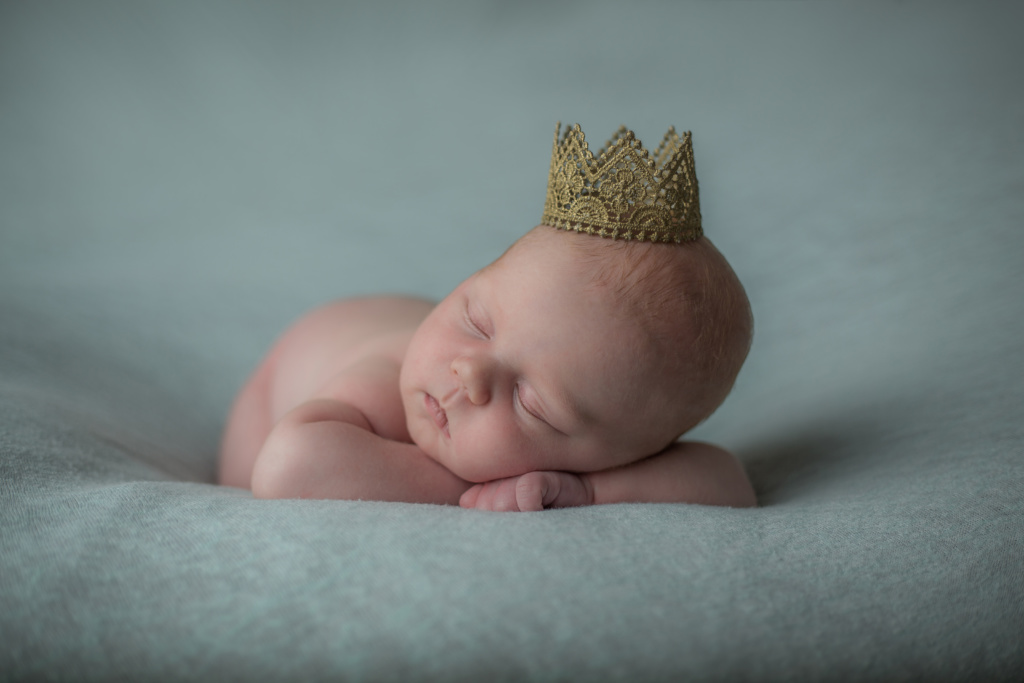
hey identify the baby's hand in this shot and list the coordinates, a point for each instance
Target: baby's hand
(530, 492)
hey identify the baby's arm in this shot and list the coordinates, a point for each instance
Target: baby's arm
(328, 448)
(685, 472)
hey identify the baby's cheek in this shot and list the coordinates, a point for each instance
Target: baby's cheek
(493, 454)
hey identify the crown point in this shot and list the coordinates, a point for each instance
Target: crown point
(623, 195)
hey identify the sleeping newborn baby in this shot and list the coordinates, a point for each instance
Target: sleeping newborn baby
(562, 374)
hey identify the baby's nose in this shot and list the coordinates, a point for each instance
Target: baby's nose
(474, 375)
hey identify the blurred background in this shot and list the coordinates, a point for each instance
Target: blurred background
(179, 181)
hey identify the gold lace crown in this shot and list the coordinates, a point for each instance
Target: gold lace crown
(626, 193)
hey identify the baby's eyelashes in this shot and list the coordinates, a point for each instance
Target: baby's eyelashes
(475, 324)
(517, 398)
(535, 414)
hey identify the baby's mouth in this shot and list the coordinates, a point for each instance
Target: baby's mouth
(437, 412)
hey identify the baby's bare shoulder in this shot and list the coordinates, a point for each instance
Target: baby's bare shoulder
(364, 315)
(347, 323)
(332, 338)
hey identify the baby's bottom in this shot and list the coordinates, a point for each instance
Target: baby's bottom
(247, 428)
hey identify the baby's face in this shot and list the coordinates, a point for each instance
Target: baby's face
(524, 368)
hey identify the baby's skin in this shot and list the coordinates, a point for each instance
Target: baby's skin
(521, 390)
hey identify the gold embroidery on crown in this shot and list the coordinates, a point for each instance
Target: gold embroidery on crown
(624, 193)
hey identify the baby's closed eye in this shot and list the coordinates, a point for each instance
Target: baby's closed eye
(477, 322)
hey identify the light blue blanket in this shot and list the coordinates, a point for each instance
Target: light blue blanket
(178, 182)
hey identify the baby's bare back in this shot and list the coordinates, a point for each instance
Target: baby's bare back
(320, 347)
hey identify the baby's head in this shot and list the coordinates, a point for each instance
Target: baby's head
(573, 352)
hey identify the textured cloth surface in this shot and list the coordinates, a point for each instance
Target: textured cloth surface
(178, 182)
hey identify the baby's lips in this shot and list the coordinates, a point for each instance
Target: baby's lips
(438, 414)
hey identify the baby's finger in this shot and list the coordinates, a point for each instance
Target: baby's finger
(469, 497)
(503, 496)
(498, 496)
(530, 491)
(484, 497)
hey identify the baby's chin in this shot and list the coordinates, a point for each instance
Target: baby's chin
(477, 468)
(428, 441)
(462, 462)
(471, 469)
